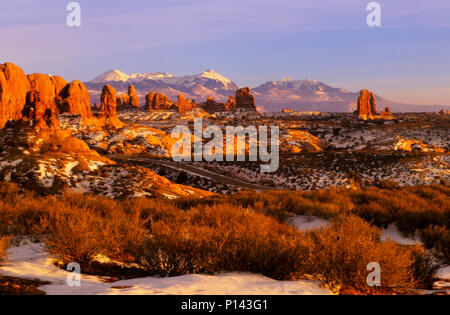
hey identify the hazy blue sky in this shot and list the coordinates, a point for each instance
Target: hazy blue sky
(407, 59)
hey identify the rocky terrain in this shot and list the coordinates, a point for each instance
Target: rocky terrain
(53, 140)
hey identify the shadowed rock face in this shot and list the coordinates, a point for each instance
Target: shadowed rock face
(29, 97)
(47, 121)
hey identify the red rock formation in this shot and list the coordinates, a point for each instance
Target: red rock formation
(123, 101)
(367, 105)
(184, 105)
(14, 86)
(134, 99)
(157, 101)
(244, 99)
(128, 101)
(108, 102)
(76, 100)
(43, 94)
(211, 106)
(47, 121)
(108, 107)
(231, 103)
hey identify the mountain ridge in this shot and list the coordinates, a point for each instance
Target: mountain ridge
(300, 95)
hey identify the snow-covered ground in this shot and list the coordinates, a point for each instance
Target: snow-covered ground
(306, 223)
(393, 233)
(32, 262)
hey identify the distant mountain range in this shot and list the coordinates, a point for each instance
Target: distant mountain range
(299, 95)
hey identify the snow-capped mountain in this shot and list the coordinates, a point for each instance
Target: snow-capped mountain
(304, 95)
(117, 75)
(198, 86)
(305, 90)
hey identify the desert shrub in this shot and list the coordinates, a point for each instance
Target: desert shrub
(386, 184)
(424, 267)
(79, 235)
(125, 235)
(73, 236)
(4, 244)
(9, 191)
(223, 238)
(342, 251)
(437, 238)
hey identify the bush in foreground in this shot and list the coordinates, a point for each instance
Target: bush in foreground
(166, 237)
(343, 250)
(223, 238)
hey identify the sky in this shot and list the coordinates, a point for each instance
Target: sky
(406, 59)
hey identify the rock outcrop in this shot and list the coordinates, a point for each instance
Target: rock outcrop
(245, 99)
(14, 86)
(367, 108)
(123, 101)
(367, 105)
(29, 97)
(128, 101)
(43, 94)
(157, 101)
(108, 101)
(184, 105)
(134, 98)
(51, 161)
(211, 106)
(298, 141)
(231, 103)
(386, 114)
(76, 99)
(47, 121)
(108, 107)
